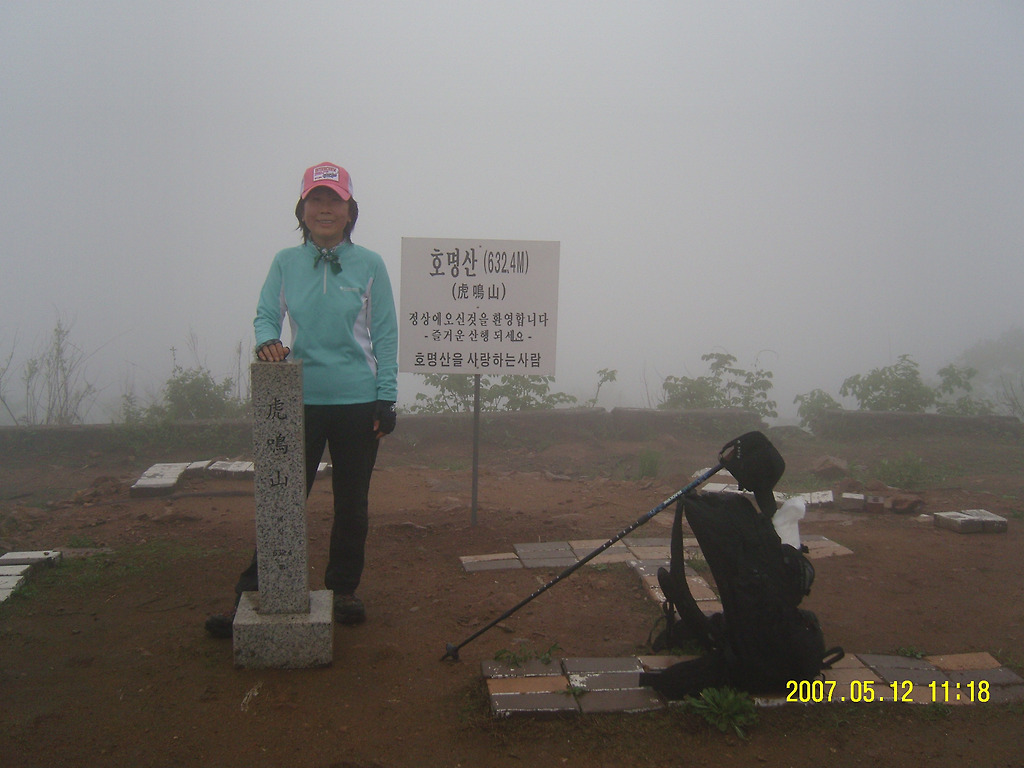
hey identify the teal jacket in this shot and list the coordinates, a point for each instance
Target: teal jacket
(343, 323)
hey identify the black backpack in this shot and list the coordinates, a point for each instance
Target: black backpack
(761, 639)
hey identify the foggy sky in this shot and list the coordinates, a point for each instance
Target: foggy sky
(814, 187)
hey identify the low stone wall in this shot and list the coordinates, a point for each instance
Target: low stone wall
(839, 423)
(565, 424)
(506, 428)
(195, 438)
(234, 438)
(722, 424)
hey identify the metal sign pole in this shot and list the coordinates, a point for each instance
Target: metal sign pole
(476, 445)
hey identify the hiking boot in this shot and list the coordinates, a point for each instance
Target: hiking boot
(349, 609)
(220, 625)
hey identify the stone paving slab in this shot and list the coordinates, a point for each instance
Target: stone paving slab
(653, 589)
(845, 677)
(646, 555)
(158, 480)
(531, 668)
(652, 553)
(17, 567)
(506, 704)
(232, 470)
(545, 554)
(700, 589)
(1006, 694)
(964, 661)
(545, 547)
(650, 567)
(881, 661)
(583, 547)
(162, 479)
(43, 557)
(616, 553)
(611, 684)
(819, 547)
(528, 684)
(502, 562)
(852, 502)
(971, 521)
(11, 583)
(816, 498)
(584, 666)
(710, 607)
(604, 681)
(623, 700)
(657, 541)
(656, 663)
(553, 561)
(197, 467)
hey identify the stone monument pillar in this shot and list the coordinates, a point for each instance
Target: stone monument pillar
(283, 625)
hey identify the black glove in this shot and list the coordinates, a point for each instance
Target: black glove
(385, 417)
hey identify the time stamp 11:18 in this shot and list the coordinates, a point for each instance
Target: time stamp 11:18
(945, 692)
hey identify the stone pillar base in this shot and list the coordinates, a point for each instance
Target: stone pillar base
(284, 640)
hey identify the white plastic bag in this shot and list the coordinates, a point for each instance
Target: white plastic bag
(787, 521)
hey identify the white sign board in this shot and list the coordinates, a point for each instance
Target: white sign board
(478, 306)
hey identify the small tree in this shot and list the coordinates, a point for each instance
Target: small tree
(455, 394)
(524, 393)
(29, 377)
(189, 394)
(724, 386)
(56, 391)
(66, 390)
(953, 394)
(812, 405)
(604, 376)
(195, 394)
(5, 369)
(1013, 396)
(897, 387)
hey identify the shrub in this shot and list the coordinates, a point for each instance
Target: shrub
(724, 386)
(725, 708)
(897, 387)
(812, 405)
(455, 394)
(953, 395)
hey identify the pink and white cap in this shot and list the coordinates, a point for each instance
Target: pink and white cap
(327, 175)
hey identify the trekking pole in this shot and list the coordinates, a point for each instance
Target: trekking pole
(452, 651)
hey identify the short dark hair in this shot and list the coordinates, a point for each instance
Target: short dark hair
(353, 214)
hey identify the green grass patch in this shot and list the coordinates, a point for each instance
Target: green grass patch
(699, 564)
(81, 542)
(519, 657)
(649, 463)
(910, 652)
(907, 471)
(105, 570)
(725, 708)
(936, 711)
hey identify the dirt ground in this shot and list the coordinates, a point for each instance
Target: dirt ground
(104, 661)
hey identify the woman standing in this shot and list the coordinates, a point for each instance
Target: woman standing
(338, 300)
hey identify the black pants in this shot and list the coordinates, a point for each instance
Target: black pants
(347, 431)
